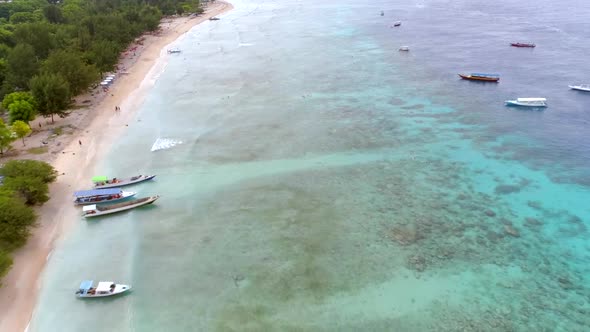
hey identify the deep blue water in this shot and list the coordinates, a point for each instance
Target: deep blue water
(328, 182)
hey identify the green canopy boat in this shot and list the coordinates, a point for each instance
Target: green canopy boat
(100, 178)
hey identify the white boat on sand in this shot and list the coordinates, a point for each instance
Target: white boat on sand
(90, 211)
(581, 87)
(85, 197)
(528, 102)
(103, 289)
(102, 182)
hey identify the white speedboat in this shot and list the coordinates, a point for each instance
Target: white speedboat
(404, 48)
(94, 210)
(581, 87)
(528, 102)
(103, 289)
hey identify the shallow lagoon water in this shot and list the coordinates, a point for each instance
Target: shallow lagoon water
(328, 182)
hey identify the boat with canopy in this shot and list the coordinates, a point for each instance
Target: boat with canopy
(103, 289)
(90, 211)
(528, 102)
(84, 197)
(103, 182)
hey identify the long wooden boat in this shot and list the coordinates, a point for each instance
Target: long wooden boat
(103, 289)
(90, 211)
(85, 197)
(522, 44)
(102, 182)
(480, 77)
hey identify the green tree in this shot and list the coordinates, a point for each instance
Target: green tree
(52, 93)
(104, 54)
(15, 220)
(22, 65)
(53, 14)
(29, 168)
(5, 263)
(16, 96)
(21, 110)
(21, 129)
(38, 34)
(70, 65)
(22, 17)
(6, 137)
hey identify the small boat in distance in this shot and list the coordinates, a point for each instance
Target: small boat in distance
(528, 102)
(90, 211)
(84, 197)
(480, 77)
(397, 24)
(404, 48)
(581, 87)
(103, 289)
(522, 44)
(102, 182)
(214, 18)
(174, 50)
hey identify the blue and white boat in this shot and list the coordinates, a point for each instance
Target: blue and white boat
(95, 196)
(528, 102)
(103, 289)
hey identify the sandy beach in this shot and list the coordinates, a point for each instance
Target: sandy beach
(73, 145)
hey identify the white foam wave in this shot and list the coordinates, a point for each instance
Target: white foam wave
(165, 143)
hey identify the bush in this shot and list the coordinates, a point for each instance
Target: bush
(15, 220)
(5, 263)
(31, 190)
(29, 168)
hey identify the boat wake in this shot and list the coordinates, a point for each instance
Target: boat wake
(164, 143)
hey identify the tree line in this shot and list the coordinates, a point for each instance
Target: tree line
(24, 184)
(52, 50)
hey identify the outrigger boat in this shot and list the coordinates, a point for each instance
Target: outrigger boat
(102, 182)
(528, 102)
(481, 77)
(84, 197)
(90, 211)
(581, 87)
(103, 289)
(522, 44)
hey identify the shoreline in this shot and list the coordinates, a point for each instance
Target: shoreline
(75, 162)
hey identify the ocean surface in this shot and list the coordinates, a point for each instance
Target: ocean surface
(314, 178)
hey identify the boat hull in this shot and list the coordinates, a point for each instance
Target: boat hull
(522, 45)
(125, 182)
(119, 289)
(120, 207)
(515, 103)
(579, 88)
(479, 78)
(125, 195)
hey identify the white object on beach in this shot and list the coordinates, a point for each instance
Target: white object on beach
(164, 143)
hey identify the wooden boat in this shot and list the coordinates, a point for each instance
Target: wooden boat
(581, 87)
(85, 197)
(522, 44)
(404, 48)
(103, 289)
(397, 24)
(528, 102)
(481, 77)
(102, 182)
(90, 211)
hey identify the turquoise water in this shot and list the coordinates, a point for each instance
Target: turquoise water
(326, 182)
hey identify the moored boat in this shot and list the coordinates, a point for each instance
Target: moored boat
(84, 197)
(397, 24)
(528, 102)
(102, 182)
(522, 44)
(90, 211)
(404, 48)
(103, 289)
(174, 50)
(581, 87)
(480, 77)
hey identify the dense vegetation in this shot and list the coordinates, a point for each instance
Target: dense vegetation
(52, 50)
(24, 185)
